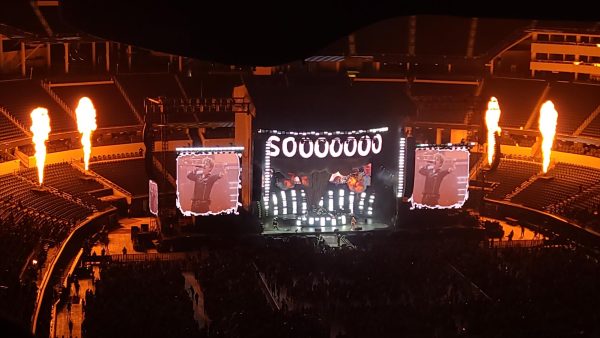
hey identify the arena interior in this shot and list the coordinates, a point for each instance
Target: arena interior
(331, 213)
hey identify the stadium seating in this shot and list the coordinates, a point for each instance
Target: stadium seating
(140, 86)
(24, 233)
(565, 181)
(574, 102)
(19, 190)
(22, 96)
(9, 130)
(64, 177)
(509, 175)
(129, 174)
(442, 102)
(517, 99)
(593, 129)
(111, 108)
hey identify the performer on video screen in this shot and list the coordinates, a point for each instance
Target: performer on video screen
(434, 175)
(204, 181)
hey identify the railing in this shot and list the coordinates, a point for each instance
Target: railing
(129, 103)
(347, 242)
(519, 243)
(473, 104)
(265, 286)
(514, 38)
(58, 100)
(44, 284)
(588, 192)
(522, 187)
(535, 112)
(197, 105)
(106, 183)
(587, 121)
(144, 257)
(183, 92)
(477, 167)
(62, 194)
(14, 120)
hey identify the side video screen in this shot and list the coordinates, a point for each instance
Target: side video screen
(441, 178)
(208, 183)
(153, 194)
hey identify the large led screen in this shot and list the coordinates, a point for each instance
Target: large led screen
(441, 178)
(329, 176)
(208, 182)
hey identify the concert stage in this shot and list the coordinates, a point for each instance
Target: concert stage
(289, 227)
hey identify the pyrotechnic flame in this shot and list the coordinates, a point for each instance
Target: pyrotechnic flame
(548, 117)
(40, 127)
(86, 124)
(492, 117)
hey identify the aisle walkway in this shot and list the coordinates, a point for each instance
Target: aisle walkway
(76, 315)
(198, 302)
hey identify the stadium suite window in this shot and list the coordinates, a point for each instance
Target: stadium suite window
(543, 37)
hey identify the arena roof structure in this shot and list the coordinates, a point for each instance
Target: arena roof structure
(265, 33)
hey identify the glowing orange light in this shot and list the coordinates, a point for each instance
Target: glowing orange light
(492, 117)
(548, 118)
(86, 124)
(40, 127)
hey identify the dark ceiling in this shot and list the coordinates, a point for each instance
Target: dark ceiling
(270, 32)
(264, 32)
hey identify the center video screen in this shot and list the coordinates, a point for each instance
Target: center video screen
(322, 179)
(441, 179)
(208, 182)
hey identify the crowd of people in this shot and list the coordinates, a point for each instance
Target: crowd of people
(438, 289)
(589, 218)
(539, 292)
(384, 285)
(559, 145)
(577, 148)
(139, 300)
(383, 291)
(25, 238)
(237, 306)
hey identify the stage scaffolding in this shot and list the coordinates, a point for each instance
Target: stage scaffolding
(195, 115)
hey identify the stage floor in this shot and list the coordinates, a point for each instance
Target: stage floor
(269, 230)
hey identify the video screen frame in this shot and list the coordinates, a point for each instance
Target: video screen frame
(446, 165)
(203, 153)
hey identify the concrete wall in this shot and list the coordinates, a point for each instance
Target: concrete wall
(9, 166)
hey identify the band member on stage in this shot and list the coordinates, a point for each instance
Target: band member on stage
(434, 175)
(353, 222)
(204, 181)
